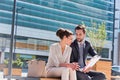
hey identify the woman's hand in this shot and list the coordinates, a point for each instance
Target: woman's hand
(73, 65)
(69, 65)
(76, 66)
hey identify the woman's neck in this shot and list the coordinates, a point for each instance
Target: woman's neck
(62, 44)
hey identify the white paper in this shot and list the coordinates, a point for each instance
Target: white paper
(91, 63)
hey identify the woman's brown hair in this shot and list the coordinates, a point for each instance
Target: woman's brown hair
(63, 32)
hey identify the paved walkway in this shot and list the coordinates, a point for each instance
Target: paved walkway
(1, 76)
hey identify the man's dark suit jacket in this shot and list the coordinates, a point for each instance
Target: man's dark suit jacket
(88, 49)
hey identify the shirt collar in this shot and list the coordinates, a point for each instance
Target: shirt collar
(81, 42)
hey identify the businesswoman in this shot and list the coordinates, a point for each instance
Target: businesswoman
(59, 57)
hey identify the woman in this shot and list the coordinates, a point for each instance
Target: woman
(59, 57)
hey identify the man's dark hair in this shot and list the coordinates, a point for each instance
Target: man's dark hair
(81, 27)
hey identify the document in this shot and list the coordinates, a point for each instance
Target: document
(91, 63)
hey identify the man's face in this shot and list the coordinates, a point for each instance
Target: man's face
(80, 35)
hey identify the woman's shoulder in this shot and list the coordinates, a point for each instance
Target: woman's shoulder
(54, 45)
(68, 47)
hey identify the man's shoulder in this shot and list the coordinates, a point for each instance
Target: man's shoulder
(87, 42)
(73, 43)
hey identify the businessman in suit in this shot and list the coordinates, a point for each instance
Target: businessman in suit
(80, 49)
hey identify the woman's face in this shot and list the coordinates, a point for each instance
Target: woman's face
(69, 39)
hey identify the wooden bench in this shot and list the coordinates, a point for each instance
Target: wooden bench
(43, 79)
(2, 66)
(50, 79)
(115, 77)
(30, 78)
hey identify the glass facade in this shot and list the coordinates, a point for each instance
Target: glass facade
(49, 15)
(52, 14)
(27, 43)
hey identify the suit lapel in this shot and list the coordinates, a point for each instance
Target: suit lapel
(84, 50)
(77, 48)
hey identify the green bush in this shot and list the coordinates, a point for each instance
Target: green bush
(15, 63)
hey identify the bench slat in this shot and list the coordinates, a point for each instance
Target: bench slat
(50, 79)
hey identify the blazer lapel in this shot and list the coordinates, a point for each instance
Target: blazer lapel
(84, 50)
(77, 48)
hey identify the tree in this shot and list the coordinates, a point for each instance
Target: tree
(97, 35)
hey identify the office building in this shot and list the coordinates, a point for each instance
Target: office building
(37, 21)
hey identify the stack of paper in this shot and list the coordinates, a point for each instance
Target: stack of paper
(91, 62)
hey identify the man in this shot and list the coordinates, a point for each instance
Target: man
(80, 49)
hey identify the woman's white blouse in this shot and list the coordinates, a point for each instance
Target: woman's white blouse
(56, 57)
